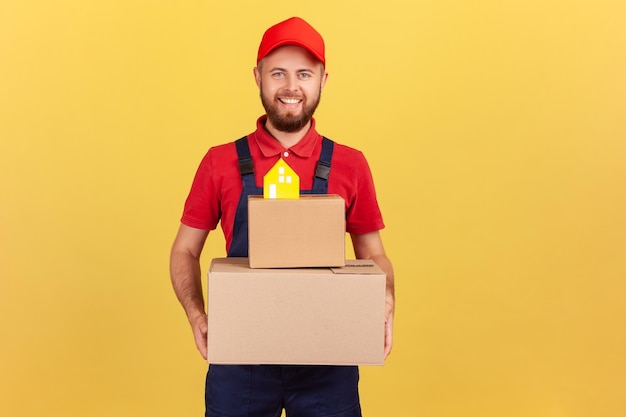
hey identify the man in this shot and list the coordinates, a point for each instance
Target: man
(290, 74)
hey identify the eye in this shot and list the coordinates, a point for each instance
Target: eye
(304, 75)
(278, 74)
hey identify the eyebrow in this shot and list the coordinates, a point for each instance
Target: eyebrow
(286, 70)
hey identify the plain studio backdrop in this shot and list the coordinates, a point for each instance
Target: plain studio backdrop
(496, 134)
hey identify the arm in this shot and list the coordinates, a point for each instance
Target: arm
(186, 280)
(370, 246)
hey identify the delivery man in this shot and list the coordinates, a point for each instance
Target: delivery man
(290, 74)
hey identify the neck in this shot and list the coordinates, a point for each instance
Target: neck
(287, 139)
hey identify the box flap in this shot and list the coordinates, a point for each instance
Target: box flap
(359, 266)
(353, 266)
(229, 264)
(311, 197)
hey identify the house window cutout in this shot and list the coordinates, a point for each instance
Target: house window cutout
(281, 182)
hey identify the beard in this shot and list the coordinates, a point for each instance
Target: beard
(289, 122)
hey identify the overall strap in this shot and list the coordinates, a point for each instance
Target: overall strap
(322, 171)
(243, 153)
(239, 242)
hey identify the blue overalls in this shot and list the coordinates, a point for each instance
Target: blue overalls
(264, 390)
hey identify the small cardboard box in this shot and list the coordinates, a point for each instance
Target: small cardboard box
(307, 232)
(305, 316)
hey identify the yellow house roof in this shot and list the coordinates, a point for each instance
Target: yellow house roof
(281, 182)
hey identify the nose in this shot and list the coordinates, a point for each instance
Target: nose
(291, 82)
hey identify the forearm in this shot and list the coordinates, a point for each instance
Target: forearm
(385, 264)
(185, 275)
(369, 246)
(186, 280)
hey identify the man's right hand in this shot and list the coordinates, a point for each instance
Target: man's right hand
(199, 325)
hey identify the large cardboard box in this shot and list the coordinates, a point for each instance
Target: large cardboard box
(322, 316)
(307, 232)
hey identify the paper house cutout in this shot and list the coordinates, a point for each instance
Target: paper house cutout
(281, 182)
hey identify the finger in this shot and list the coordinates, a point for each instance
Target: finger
(201, 345)
(388, 338)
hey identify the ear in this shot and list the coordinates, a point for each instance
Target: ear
(324, 78)
(257, 76)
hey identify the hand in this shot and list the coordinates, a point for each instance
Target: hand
(388, 328)
(370, 246)
(199, 326)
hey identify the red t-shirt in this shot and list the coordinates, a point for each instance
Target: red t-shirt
(217, 186)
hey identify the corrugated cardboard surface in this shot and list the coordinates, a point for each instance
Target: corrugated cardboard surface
(307, 232)
(322, 316)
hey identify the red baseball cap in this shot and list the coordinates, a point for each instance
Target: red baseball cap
(294, 31)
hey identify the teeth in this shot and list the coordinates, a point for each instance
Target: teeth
(290, 100)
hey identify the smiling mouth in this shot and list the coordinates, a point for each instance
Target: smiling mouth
(290, 100)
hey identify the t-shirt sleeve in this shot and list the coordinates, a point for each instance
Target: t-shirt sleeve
(363, 213)
(202, 209)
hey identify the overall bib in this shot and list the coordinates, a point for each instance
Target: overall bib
(264, 390)
(239, 243)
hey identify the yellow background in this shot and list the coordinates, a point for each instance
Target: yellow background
(496, 134)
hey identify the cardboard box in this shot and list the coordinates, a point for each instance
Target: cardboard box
(322, 316)
(307, 232)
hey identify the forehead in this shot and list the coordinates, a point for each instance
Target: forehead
(289, 56)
